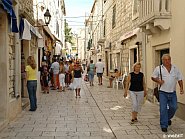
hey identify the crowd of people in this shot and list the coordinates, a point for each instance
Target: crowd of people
(64, 75)
(61, 75)
(68, 74)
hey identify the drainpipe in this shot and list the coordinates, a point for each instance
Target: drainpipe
(17, 58)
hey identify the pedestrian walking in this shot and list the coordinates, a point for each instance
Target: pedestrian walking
(45, 79)
(31, 78)
(84, 64)
(77, 78)
(67, 74)
(91, 71)
(55, 70)
(43, 64)
(71, 70)
(167, 93)
(137, 88)
(62, 77)
(99, 70)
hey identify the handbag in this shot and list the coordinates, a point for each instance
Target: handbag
(156, 93)
(156, 89)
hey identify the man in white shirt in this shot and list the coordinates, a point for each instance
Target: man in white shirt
(99, 70)
(167, 92)
(55, 67)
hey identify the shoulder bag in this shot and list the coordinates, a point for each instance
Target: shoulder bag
(156, 89)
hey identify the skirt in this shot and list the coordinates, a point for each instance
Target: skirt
(77, 82)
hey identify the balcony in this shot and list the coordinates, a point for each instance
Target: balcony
(154, 15)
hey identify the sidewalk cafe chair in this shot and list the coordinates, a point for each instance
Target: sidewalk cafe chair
(119, 80)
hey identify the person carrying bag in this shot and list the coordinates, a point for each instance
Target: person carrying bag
(156, 89)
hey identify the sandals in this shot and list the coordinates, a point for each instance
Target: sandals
(134, 121)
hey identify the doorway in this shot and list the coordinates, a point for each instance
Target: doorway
(107, 63)
(133, 56)
(162, 52)
(118, 64)
(158, 55)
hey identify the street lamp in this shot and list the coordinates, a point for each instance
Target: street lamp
(47, 17)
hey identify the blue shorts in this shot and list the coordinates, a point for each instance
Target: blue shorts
(99, 74)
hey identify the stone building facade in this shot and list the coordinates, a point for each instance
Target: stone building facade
(142, 31)
(21, 35)
(10, 79)
(116, 34)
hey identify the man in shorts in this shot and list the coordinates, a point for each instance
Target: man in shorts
(99, 70)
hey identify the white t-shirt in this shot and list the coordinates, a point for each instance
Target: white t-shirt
(55, 67)
(170, 79)
(99, 67)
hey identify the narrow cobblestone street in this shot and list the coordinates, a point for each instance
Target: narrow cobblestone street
(100, 113)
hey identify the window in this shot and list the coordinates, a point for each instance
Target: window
(57, 28)
(114, 17)
(135, 9)
(104, 28)
(74, 48)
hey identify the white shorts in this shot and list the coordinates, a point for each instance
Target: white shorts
(77, 82)
(62, 79)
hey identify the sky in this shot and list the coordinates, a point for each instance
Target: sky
(76, 11)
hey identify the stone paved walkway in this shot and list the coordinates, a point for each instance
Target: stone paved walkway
(100, 113)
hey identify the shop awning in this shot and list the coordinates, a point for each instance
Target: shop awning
(25, 30)
(129, 34)
(46, 28)
(57, 39)
(7, 5)
(36, 32)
